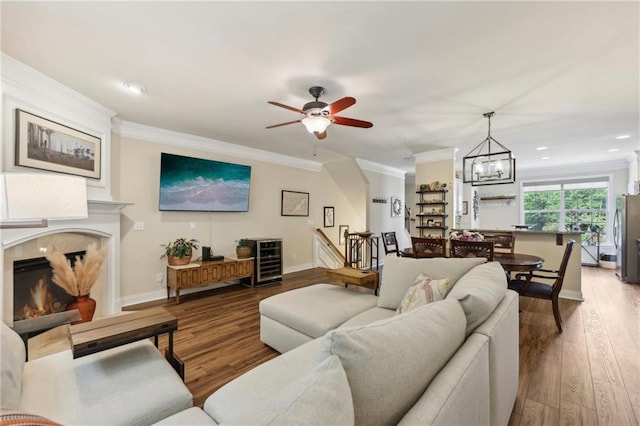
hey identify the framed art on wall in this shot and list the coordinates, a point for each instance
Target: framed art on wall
(396, 206)
(328, 217)
(342, 229)
(294, 203)
(47, 145)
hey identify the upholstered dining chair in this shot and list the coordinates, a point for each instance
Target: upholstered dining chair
(464, 248)
(502, 241)
(429, 247)
(525, 285)
(390, 243)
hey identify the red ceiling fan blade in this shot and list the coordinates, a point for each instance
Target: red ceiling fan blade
(286, 107)
(283, 124)
(351, 122)
(341, 104)
(321, 135)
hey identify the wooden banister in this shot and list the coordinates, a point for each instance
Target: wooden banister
(332, 246)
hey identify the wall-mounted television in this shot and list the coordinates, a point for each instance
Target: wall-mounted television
(196, 184)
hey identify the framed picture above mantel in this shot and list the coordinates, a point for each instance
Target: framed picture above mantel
(47, 145)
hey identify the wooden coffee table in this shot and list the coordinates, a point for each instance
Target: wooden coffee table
(364, 278)
(106, 333)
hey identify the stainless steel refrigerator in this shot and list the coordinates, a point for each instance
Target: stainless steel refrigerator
(626, 231)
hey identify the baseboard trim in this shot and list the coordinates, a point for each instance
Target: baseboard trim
(572, 295)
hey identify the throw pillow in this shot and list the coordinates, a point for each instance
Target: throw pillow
(399, 272)
(321, 397)
(423, 291)
(13, 417)
(389, 363)
(479, 291)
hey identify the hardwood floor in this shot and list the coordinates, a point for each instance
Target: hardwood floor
(587, 375)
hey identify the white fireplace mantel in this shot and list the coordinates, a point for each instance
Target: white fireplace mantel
(103, 223)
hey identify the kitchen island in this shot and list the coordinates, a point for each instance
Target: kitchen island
(550, 246)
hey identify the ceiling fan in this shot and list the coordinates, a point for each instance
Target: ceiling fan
(319, 115)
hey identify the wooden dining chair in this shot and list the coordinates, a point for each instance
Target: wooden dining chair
(390, 243)
(464, 248)
(525, 285)
(429, 247)
(504, 242)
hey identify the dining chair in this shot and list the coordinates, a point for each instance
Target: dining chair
(526, 286)
(390, 243)
(464, 248)
(429, 247)
(502, 241)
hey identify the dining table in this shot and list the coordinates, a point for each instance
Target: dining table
(518, 262)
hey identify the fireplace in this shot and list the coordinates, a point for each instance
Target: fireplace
(34, 292)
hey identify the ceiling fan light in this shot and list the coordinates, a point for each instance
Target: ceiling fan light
(315, 124)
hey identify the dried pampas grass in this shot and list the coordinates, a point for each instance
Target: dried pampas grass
(77, 281)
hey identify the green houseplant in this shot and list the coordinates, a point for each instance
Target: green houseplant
(179, 252)
(243, 249)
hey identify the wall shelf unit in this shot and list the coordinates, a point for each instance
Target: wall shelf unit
(432, 215)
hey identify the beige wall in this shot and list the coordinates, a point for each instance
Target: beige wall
(441, 171)
(137, 181)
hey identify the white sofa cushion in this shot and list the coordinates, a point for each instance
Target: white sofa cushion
(320, 397)
(131, 384)
(424, 290)
(390, 363)
(479, 292)
(399, 273)
(316, 309)
(369, 316)
(12, 356)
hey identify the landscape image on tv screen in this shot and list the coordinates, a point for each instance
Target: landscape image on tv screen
(194, 184)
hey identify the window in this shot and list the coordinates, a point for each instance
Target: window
(576, 205)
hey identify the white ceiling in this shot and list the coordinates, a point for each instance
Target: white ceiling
(558, 74)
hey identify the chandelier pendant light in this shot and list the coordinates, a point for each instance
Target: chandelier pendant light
(489, 163)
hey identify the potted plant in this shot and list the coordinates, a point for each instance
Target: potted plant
(179, 251)
(243, 249)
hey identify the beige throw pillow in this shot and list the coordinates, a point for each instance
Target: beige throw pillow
(423, 291)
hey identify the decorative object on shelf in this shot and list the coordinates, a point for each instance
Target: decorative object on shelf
(328, 217)
(243, 249)
(379, 200)
(79, 280)
(343, 230)
(47, 145)
(396, 207)
(180, 251)
(486, 166)
(294, 203)
(465, 207)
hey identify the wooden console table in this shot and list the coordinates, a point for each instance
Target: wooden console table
(364, 278)
(204, 273)
(109, 332)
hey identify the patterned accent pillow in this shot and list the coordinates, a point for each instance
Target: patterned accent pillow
(13, 417)
(424, 290)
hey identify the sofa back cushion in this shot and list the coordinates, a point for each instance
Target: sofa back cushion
(12, 358)
(399, 273)
(479, 291)
(389, 363)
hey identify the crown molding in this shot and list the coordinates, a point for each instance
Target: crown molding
(435, 155)
(380, 168)
(169, 137)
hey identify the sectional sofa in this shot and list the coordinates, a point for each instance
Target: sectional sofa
(349, 358)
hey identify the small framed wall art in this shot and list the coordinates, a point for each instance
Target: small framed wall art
(396, 206)
(294, 203)
(342, 229)
(47, 145)
(328, 217)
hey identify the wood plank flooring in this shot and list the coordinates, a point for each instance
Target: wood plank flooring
(588, 375)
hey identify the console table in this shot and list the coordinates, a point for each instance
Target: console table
(204, 273)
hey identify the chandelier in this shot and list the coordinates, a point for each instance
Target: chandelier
(489, 163)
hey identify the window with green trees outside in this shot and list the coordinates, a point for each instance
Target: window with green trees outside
(575, 205)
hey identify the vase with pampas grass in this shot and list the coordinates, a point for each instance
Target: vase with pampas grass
(78, 280)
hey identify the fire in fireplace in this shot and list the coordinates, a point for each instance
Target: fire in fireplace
(34, 292)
